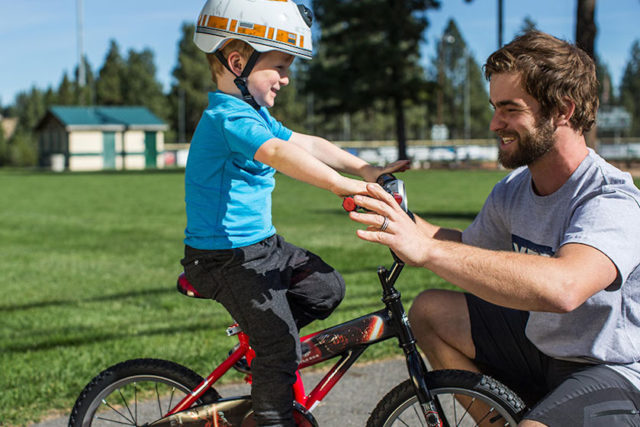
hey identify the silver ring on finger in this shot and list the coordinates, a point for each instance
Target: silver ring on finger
(385, 224)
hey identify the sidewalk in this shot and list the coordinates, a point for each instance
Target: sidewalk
(349, 404)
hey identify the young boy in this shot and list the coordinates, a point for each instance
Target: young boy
(232, 252)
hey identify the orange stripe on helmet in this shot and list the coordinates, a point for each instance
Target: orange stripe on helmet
(252, 29)
(234, 24)
(270, 35)
(286, 37)
(217, 22)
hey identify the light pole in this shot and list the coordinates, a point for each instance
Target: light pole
(81, 71)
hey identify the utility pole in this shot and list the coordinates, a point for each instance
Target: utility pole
(500, 21)
(82, 79)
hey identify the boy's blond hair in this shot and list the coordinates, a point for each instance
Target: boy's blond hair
(235, 45)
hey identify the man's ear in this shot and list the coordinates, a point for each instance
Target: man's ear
(565, 112)
(236, 62)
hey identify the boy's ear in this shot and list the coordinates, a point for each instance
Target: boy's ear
(236, 62)
(565, 112)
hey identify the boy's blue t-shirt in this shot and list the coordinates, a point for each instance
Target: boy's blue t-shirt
(227, 192)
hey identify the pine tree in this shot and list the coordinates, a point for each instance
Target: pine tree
(188, 97)
(140, 86)
(369, 50)
(109, 87)
(65, 94)
(630, 88)
(460, 80)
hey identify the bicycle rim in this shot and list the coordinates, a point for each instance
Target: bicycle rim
(134, 401)
(456, 413)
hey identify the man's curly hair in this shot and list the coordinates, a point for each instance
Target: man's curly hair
(552, 70)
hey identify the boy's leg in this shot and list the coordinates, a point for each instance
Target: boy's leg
(315, 288)
(249, 286)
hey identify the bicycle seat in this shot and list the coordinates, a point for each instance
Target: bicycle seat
(186, 288)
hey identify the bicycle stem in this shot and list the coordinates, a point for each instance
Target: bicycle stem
(415, 364)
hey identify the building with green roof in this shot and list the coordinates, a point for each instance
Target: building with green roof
(80, 138)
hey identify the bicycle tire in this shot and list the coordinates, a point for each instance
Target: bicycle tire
(401, 407)
(111, 398)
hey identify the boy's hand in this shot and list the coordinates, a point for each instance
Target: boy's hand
(371, 173)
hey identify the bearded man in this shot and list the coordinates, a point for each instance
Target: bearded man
(550, 266)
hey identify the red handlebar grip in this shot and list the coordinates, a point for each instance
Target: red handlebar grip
(349, 205)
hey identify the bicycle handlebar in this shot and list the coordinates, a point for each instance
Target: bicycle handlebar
(391, 185)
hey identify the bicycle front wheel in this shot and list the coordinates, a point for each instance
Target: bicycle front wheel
(135, 393)
(466, 399)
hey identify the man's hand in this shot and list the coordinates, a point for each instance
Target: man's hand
(409, 241)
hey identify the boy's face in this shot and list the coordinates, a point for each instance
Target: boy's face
(270, 73)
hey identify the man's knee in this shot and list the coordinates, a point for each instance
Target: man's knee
(433, 309)
(442, 316)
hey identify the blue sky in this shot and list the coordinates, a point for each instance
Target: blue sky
(38, 37)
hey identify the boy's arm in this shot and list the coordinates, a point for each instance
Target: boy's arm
(298, 163)
(341, 160)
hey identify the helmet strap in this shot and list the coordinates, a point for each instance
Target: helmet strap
(241, 80)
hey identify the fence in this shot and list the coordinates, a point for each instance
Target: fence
(427, 153)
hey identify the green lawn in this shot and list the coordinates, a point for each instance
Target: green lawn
(89, 263)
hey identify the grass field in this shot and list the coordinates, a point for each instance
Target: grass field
(89, 261)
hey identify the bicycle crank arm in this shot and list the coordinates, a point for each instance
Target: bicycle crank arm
(231, 412)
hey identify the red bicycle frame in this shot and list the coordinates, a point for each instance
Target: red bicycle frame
(348, 340)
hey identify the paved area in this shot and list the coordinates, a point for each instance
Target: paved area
(350, 402)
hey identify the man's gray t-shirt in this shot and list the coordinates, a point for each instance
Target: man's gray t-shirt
(598, 206)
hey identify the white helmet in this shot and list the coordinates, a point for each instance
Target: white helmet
(264, 24)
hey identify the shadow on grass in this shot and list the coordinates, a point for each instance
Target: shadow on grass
(114, 297)
(92, 337)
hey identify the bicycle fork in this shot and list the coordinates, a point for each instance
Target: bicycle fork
(415, 364)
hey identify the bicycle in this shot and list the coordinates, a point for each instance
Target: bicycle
(431, 398)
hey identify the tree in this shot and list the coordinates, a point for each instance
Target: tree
(85, 95)
(193, 80)
(139, 84)
(65, 95)
(370, 51)
(4, 147)
(462, 102)
(29, 108)
(585, 39)
(630, 88)
(605, 89)
(109, 87)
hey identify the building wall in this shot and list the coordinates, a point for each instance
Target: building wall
(86, 150)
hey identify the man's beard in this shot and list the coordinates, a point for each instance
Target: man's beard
(531, 146)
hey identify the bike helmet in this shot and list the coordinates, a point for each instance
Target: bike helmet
(264, 24)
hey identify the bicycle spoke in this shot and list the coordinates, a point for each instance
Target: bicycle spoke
(135, 400)
(485, 416)
(466, 410)
(114, 421)
(173, 390)
(419, 416)
(131, 422)
(135, 386)
(158, 400)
